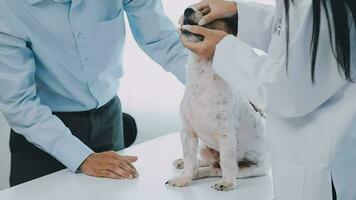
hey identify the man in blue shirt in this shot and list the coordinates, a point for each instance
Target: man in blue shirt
(60, 61)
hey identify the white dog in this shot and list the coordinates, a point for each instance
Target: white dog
(231, 131)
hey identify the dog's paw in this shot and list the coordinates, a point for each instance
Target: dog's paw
(179, 164)
(181, 181)
(224, 186)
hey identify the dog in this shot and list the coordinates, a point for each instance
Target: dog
(230, 132)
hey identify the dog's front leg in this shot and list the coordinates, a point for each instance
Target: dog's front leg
(190, 144)
(228, 162)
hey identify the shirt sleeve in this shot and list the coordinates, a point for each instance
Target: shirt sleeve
(157, 35)
(255, 23)
(264, 79)
(22, 108)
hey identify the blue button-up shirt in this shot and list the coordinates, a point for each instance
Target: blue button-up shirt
(66, 55)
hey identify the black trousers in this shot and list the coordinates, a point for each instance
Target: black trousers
(334, 191)
(100, 129)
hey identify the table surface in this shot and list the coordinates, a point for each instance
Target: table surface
(155, 168)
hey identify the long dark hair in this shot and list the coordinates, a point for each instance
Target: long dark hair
(337, 15)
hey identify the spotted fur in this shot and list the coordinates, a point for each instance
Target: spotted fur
(230, 132)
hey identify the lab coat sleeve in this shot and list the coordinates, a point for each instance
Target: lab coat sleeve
(265, 81)
(22, 108)
(255, 23)
(157, 35)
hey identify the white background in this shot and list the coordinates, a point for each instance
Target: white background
(147, 92)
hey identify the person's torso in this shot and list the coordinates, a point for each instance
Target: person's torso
(339, 110)
(315, 140)
(77, 46)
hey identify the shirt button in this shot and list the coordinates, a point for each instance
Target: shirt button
(114, 15)
(86, 60)
(80, 36)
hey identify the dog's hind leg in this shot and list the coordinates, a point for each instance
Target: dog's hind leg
(255, 170)
(207, 172)
(248, 172)
(179, 163)
(208, 157)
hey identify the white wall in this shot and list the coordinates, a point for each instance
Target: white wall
(147, 92)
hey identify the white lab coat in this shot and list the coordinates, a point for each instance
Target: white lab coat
(312, 128)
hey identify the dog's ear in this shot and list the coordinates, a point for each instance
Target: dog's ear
(232, 23)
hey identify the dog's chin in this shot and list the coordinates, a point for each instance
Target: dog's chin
(192, 37)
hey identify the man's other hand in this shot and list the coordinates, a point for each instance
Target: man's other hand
(110, 165)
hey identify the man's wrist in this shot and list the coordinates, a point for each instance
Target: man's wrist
(79, 169)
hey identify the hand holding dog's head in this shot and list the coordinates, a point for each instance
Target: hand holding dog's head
(202, 40)
(193, 16)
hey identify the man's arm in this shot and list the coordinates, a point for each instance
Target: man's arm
(157, 35)
(23, 109)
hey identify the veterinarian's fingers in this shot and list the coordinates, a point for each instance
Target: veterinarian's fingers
(183, 39)
(207, 18)
(193, 46)
(205, 11)
(201, 5)
(196, 29)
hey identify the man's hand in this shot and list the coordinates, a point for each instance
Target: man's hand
(110, 165)
(206, 48)
(215, 9)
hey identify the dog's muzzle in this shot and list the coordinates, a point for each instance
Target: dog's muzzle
(190, 18)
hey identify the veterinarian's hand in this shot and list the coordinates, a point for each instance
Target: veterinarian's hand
(110, 165)
(206, 48)
(215, 9)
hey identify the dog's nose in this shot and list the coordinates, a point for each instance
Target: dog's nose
(188, 12)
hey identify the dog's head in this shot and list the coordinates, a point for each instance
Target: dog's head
(193, 16)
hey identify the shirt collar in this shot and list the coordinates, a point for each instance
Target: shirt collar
(37, 1)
